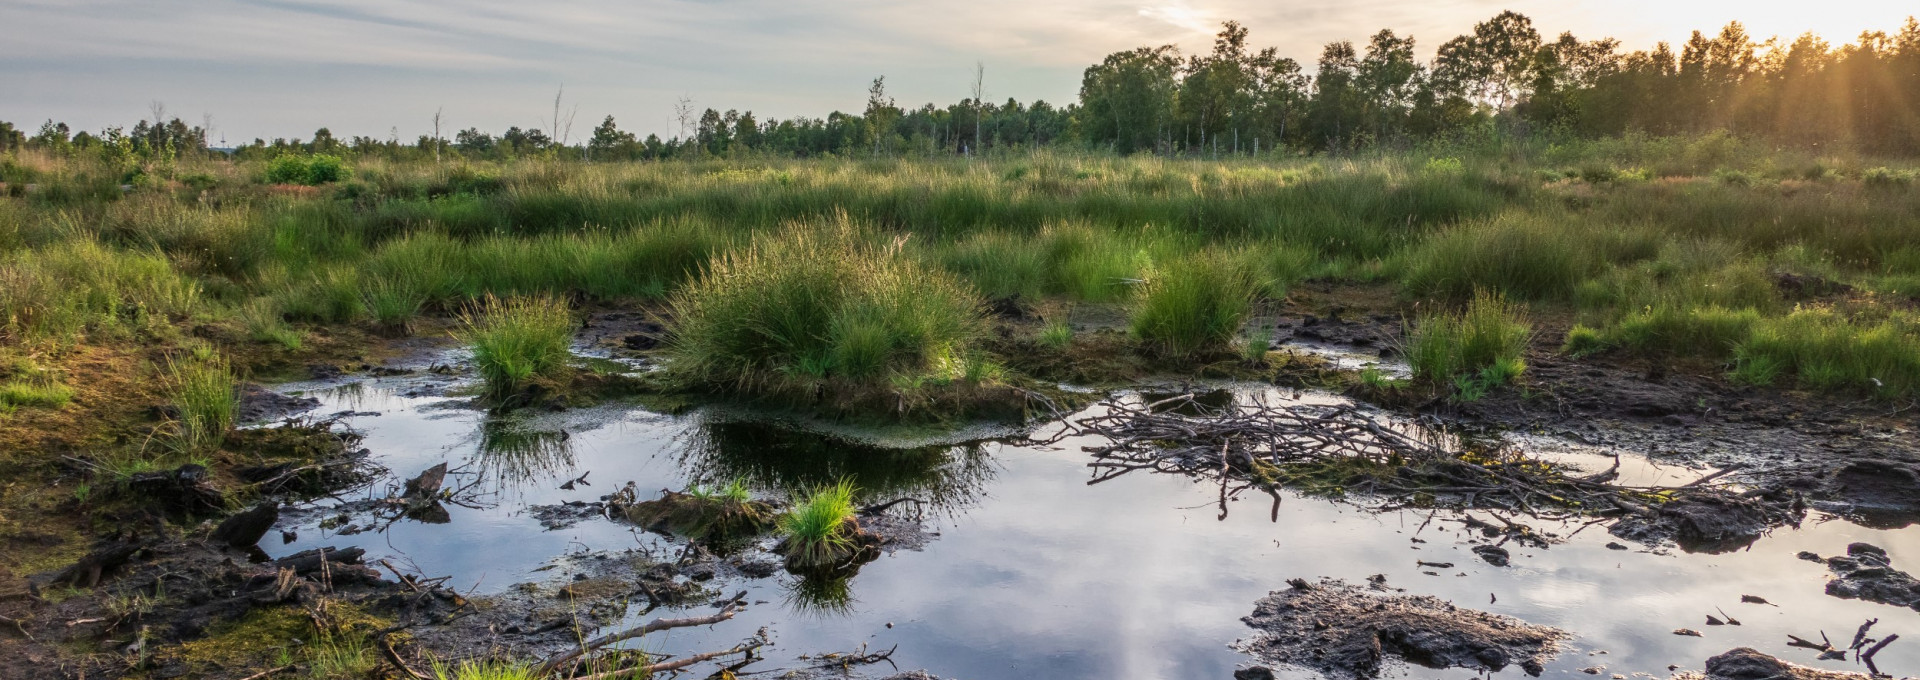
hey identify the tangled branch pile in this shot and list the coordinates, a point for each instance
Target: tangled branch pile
(1338, 449)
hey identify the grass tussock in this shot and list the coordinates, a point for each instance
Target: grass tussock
(518, 340)
(1194, 305)
(816, 528)
(1474, 349)
(816, 303)
(205, 398)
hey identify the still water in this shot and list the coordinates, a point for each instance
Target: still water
(1037, 574)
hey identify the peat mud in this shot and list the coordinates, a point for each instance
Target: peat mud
(1856, 458)
(1348, 631)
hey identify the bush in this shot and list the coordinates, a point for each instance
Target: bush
(1193, 305)
(1487, 339)
(312, 170)
(813, 303)
(518, 340)
(1887, 178)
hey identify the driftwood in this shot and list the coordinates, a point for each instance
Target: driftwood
(310, 560)
(1255, 445)
(573, 657)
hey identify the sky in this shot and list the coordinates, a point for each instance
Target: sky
(282, 68)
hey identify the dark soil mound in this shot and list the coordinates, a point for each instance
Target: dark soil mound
(1347, 631)
(1866, 573)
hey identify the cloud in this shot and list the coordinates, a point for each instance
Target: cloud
(284, 67)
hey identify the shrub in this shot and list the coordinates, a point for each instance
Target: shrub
(517, 340)
(816, 528)
(1487, 339)
(205, 399)
(1887, 178)
(819, 303)
(312, 170)
(1195, 304)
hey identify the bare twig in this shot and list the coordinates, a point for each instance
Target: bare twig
(733, 607)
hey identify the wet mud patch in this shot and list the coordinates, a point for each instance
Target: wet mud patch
(1746, 663)
(1856, 458)
(1348, 631)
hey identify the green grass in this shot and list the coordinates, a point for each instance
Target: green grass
(205, 398)
(1661, 245)
(1194, 305)
(483, 670)
(1056, 335)
(33, 394)
(1482, 344)
(518, 340)
(817, 302)
(814, 529)
(734, 491)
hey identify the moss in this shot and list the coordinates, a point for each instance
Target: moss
(268, 636)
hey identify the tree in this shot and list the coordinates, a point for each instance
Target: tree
(1129, 97)
(610, 141)
(881, 113)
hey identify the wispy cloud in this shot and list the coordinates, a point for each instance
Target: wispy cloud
(284, 67)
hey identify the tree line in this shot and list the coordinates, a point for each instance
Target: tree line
(1503, 77)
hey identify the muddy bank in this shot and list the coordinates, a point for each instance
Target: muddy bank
(1853, 457)
(1745, 663)
(1348, 631)
(1867, 573)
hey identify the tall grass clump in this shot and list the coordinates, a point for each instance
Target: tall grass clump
(1481, 346)
(518, 340)
(484, 670)
(205, 398)
(815, 303)
(1825, 351)
(816, 527)
(1524, 256)
(1193, 305)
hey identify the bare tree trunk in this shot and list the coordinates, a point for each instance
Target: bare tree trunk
(436, 134)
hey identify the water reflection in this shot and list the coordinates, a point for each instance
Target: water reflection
(784, 462)
(820, 596)
(512, 455)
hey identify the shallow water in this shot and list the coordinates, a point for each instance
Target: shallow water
(1036, 574)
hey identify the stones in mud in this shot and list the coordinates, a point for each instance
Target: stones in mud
(245, 529)
(1343, 630)
(1493, 554)
(1866, 573)
(1253, 673)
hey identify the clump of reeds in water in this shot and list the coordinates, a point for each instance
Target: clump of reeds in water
(517, 341)
(820, 530)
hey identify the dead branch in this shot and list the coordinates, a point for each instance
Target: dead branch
(733, 607)
(1261, 446)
